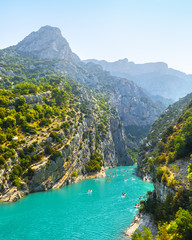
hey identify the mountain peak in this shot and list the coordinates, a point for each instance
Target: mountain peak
(50, 28)
(47, 42)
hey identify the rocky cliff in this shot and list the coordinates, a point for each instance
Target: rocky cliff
(75, 146)
(165, 159)
(47, 43)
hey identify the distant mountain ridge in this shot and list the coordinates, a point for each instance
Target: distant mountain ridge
(156, 78)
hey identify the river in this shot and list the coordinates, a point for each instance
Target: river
(70, 213)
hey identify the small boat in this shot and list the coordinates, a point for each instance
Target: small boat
(89, 191)
(115, 175)
(133, 178)
(125, 179)
(137, 205)
(123, 194)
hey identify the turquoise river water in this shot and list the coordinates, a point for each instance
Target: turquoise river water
(70, 213)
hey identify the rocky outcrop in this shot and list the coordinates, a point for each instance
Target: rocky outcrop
(47, 42)
(141, 220)
(13, 194)
(119, 144)
(133, 105)
(35, 99)
(161, 191)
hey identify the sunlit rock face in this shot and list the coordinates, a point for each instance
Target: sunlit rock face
(47, 42)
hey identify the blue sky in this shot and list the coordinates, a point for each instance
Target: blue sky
(140, 30)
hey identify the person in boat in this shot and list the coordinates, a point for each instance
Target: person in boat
(89, 191)
(125, 179)
(137, 205)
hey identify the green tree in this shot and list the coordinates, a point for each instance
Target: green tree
(4, 101)
(2, 137)
(9, 122)
(143, 235)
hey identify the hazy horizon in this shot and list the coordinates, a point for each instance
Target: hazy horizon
(142, 31)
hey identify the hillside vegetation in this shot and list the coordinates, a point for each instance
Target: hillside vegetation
(160, 129)
(43, 116)
(168, 162)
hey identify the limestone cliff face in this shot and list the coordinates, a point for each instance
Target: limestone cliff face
(133, 105)
(76, 151)
(56, 174)
(162, 191)
(119, 143)
(47, 42)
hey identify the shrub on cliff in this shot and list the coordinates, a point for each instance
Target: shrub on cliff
(74, 174)
(55, 155)
(48, 150)
(143, 235)
(44, 122)
(93, 166)
(2, 160)
(55, 137)
(2, 138)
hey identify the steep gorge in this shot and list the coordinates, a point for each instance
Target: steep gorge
(63, 129)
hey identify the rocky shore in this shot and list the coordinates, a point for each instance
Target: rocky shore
(141, 220)
(100, 174)
(13, 194)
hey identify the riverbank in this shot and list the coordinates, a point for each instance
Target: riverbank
(141, 220)
(100, 174)
(14, 194)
